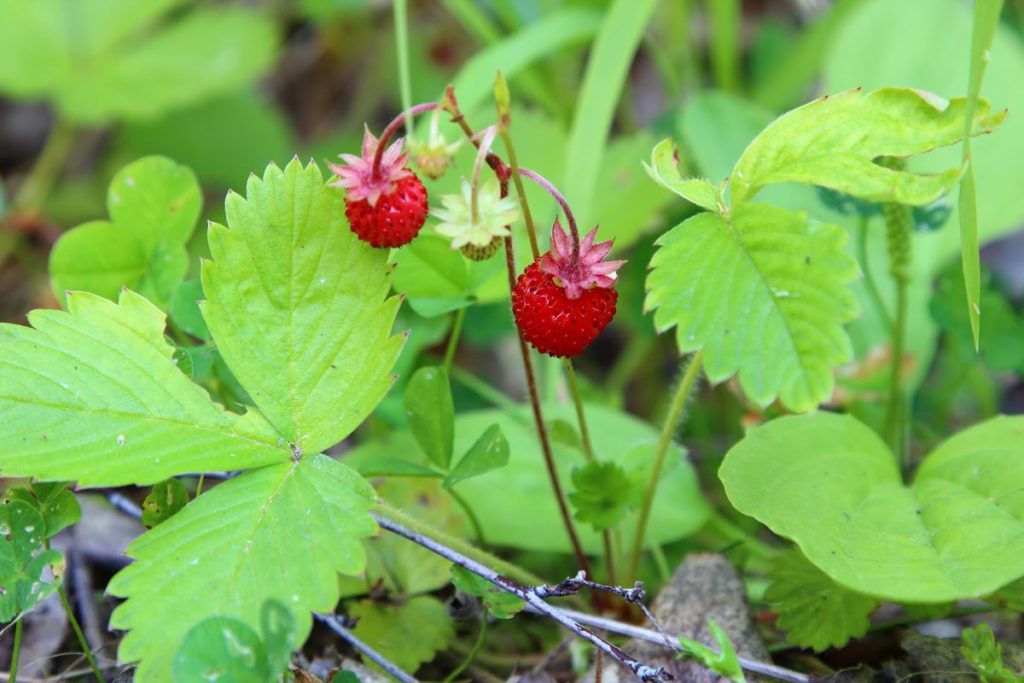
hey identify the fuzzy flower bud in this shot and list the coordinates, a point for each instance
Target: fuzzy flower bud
(493, 215)
(435, 154)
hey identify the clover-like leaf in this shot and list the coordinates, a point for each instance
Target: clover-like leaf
(833, 142)
(431, 414)
(92, 395)
(55, 503)
(281, 533)
(601, 494)
(488, 453)
(499, 603)
(165, 499)
(829, 483)
(22, 559)
(814, 610)
(122, 59)
(408, 634)
(764, 293)
(153, 205)
(664, 170)
(299, 306)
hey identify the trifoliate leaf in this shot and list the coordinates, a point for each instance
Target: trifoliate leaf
(499, 603)
(92, 395)
(55, 503)
(979, 647)
(724, 662)
(489, 452)
(664, 170)
(299, 306)
(153, 205)
(408, 634)
(814, 610)
(834, 141)
(764, 293)
(832, 485)
(164, 500)
(601, 494)
(431, 414)
(282, 532)
(22, 559)
(122, 59)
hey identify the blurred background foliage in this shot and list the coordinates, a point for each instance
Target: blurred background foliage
(87, 86)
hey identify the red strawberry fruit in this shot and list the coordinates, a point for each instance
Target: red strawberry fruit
(566, 297)
(386, 204)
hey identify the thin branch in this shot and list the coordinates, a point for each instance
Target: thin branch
(335, 624)
(532, 597)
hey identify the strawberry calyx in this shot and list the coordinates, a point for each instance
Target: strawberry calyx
(576, 271)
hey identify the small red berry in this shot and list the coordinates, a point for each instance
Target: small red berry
(552, 322)
(386, 203)
(566, 297)
(396, 218)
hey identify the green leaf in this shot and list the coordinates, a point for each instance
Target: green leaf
(21, 562)
(222, 649)
(299, 306)
(384, 466)
(120, 59)
(813, 610)
(664, 170)
(830, 484)
(602, 494)
(166, 499)
(280, 533)
(437, 278)
(431, 414)
(499, 603)
(764, 294)
(724, 662)
(153, 205)
(617, 40)
(489, 453)
(986, 19)
(833, 141)
(716, 127)
(54, 501)
(92, 395)
(980, 649)
(184, 309)
(408, 634)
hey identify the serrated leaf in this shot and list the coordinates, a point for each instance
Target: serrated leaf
(833, 141)
(814, 610)
(299, 306)
(980, 649)
(431, 414)
(166, 499)
(829, 483)
(114, 59)
(282, 532)
(764, 294)
(488, 453)
(408, 634)
(22, 559)
(664, 170)
(54, 501)
(601, 494)
(92, 395)
(184, 309)
(724, 662)
(153, 205)
(499, 603)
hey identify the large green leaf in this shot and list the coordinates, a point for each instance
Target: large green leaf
(279, 533)
(100, 60)
(153, 205)
(764, 294)
(514, 504)
(299, 306)
(833, 141)
(92, 395)
(829, 483)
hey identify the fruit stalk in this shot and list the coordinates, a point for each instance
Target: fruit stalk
(396, 123)
(562, 202)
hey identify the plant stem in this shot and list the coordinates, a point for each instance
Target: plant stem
(485, 391)
(577, 399)
(668, 430)
(385, 137)
(86, 650)
(16, 651)
(474, 521)
(453, 340)
(562, 202)
(869, 280)
(505, 122)
(199, 484)
(472, 653)
(37, 185)
(402, 50)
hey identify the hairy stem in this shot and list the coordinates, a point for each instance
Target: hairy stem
(37, 185)
(668, 430)
(562, 202)
(453, 340)
(392, 127)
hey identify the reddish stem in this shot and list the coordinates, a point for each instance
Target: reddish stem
(563, 202)
(395, 124)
